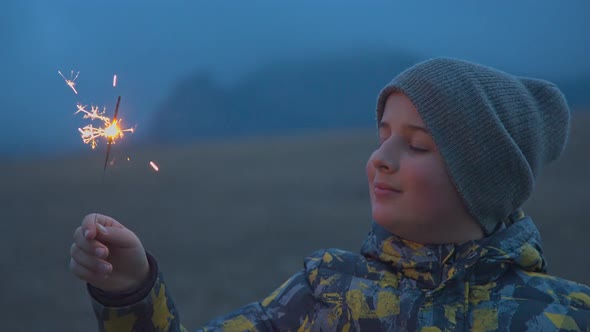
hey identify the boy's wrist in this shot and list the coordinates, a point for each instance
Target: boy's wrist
(126, 298)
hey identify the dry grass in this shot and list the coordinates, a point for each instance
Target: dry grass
(229, 221)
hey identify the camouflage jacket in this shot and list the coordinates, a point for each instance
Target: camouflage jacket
(496, 284)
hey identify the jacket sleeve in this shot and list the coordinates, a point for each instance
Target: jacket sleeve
(152, 308)
(148, 309)
(287, 309)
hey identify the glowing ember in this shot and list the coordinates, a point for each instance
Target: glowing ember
(110, 131)
(154, 166)
(72, 81)
(114, 80)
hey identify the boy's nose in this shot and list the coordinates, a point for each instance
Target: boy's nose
(386, 157)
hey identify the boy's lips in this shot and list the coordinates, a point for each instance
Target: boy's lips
(381, 188)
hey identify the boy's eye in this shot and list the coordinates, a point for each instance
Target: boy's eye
(411, 147)
(416, 149)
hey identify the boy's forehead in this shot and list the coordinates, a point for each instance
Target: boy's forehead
(399, 107)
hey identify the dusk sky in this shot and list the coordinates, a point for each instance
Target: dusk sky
(150, 45)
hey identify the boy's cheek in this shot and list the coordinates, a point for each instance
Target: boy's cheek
(370, 172)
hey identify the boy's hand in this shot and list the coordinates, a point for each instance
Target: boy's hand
(107, 255)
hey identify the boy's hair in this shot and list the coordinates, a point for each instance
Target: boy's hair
(494, 130)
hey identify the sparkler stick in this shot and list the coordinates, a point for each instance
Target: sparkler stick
(110, 142)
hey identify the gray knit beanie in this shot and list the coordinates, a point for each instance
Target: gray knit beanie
(494, 130)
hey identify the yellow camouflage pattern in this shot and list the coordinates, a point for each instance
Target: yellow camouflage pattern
(495, 284)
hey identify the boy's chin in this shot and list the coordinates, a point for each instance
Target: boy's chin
(386, 221)
(384, 216)
(394, 225)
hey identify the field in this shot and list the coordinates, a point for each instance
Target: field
(228, 220)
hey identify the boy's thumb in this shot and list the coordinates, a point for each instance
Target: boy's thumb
(115, 236)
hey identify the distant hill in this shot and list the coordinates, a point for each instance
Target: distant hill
(305, 94)
(328, 92)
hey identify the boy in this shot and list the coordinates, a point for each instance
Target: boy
(460, 146)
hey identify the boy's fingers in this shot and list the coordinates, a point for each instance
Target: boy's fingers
(78, 234)
(93, 220)
(89, 226)
(84, 273)
(92, 247)
(90, 262)
(107, 221)
(118, 237)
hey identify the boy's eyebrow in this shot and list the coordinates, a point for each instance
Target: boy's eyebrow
(406, 125)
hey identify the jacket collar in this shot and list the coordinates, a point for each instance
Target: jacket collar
(430, 266)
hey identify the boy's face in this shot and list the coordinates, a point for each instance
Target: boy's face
(411, 193)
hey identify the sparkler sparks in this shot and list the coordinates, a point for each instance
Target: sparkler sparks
(111, 130)
(154, 166)
(72, 81)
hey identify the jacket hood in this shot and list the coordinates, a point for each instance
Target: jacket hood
(485, 260)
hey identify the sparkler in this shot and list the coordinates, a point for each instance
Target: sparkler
(110, 130)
